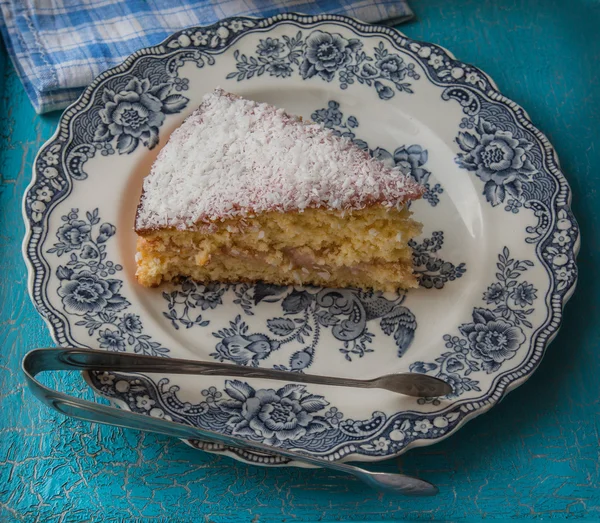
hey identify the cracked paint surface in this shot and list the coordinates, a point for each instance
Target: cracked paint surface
(536, 455)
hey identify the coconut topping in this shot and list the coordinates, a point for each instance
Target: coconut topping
(234, 157)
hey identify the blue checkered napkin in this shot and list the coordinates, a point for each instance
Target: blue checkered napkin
(59, 46)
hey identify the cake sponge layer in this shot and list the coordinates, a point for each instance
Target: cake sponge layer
(365, 248)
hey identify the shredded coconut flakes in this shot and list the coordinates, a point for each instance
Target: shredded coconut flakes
(234, 157)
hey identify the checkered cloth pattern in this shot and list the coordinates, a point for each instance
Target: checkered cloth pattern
(59, 46)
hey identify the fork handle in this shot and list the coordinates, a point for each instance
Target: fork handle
(50, 359)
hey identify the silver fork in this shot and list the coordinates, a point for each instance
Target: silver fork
(50, 359)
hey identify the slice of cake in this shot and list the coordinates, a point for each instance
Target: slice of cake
(244, 192)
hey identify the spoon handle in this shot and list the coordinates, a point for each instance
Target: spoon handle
(40, 360)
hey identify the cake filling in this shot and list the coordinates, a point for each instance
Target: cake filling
(288, 250)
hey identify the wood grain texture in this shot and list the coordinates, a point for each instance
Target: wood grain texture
(536, 455)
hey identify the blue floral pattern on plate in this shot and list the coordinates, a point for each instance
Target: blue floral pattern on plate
(89, 290)
(327, 56)
(498, 158)
(136, 113)
(78, 276)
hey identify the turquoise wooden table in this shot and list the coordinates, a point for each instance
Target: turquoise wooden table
(536, 455)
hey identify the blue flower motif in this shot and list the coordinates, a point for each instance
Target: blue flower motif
(181, 84)
(454, 365)
(266, 290)
(409, 160)
(498, 158)
(274, 417)
(343, 301)
(431, 194)
(136, 113)
(106, 149)
(270, 48)
(73, 234)
(384, 92)
(561, 238)
(106, 231)
(211, 298)
(131, 323)
(329, 117)
(438, 273)
(84, 292)
(280, 69)
(296, 302)
(300, 360)
(211, 394)
(361, 144)
(333, 416)
(422, 367)
(88, 252)
(345, 79)
(326, 53)
(492, 339)
(112, 340)
(246, 349)
(368, 71)
(431, 282)
(523, 294)
(392, 67)
(455, 343)
(495, 293)
(456, 382)
(513, 205)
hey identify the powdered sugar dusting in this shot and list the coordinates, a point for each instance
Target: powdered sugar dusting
(235, 157)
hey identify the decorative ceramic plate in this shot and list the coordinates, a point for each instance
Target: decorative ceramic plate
(496, 258)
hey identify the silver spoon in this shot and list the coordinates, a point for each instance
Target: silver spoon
(409, 384)
(49, 359)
